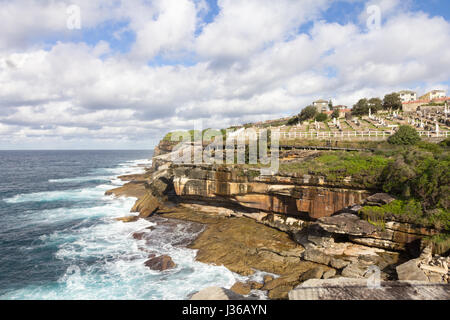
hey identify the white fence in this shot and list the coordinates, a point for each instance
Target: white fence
(369, 135)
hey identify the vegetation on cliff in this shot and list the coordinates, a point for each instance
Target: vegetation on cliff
(416, 172)
(364, 168)
(406, 135)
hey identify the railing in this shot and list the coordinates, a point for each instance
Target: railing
(370, 135)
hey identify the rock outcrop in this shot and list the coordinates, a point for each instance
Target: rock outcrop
(216, 293)
(361, 289)
(160, 263)
(244, 245)
(306, 196)
(146, 205)
(241, 288)
(396, 236)
(425, 268)
(321, 234)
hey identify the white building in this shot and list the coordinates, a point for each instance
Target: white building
(407, 95)
(434, 94)
(321, 105)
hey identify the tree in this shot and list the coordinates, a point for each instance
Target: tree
(308, 113)
(330, 105)
(392, 101)
(293, 121)
(375, 104)
(405, 135)
(419, 174)
(361, 108)
(335, 114)
(321, 117)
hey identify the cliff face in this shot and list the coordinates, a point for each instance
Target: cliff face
(305, 197)
(284, 201)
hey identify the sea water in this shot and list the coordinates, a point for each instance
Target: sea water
(59, 239)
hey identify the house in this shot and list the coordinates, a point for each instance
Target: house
(413, 106)
(407, 96)
(321, 105)
(434, 94)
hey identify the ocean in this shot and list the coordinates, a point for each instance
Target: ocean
(59, 239)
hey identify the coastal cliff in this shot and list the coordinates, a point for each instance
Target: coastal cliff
(298, 226)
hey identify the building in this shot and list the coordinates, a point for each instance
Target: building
(407, 96)
(343, 110)
(434, 94)
(340, 107)
(321, 105)
(413, 106)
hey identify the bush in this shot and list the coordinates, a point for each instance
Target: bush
(293, 121)
(405, 135)
(335, 114)
(321, 117)
(308, 113)
(445, 143)
(421, 175)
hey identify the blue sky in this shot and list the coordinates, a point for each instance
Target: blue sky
(139, 68)
(342, 12)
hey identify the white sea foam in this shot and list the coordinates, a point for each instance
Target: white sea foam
(104, 260)
(119, 271)
(80, 179)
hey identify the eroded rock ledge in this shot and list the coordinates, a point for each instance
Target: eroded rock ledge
(320, 234)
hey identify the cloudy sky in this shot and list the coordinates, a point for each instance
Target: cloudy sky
(128, 71)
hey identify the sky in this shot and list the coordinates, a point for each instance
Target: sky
(119, 74)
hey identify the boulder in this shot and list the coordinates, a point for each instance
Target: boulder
(267, 278)
(347, 223)
(329, 274)
(255, 285)
(354, 270)
(160, 263)
(315, 273)
(379, 199)
(339, 263)
(128, 219)
(281, 281)
(241, 288)
(146, 205)
(410, 271)
(316, 256)
(280, 292)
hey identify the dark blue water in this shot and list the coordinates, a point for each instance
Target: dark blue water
(59, 239)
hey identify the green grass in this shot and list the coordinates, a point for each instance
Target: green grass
(410, 211)
(365, 168)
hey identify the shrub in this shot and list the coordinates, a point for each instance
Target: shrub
(335, 114)
(422, 175)
(445, 143)
(308, 113)
(321, 117)
(405, 135)
(293, 121)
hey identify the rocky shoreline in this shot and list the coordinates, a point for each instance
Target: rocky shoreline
(298, 228)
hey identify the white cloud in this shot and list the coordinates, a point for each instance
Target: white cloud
(244, 27)
(172, 29)
(81, 93)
